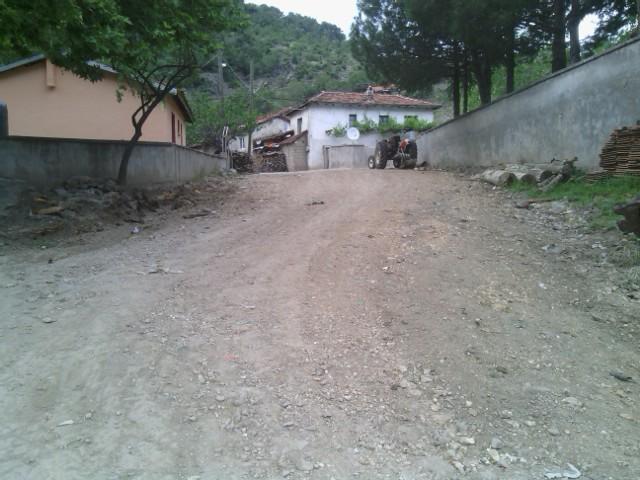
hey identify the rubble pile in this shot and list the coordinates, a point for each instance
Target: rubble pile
(84, 204)
(270, 162)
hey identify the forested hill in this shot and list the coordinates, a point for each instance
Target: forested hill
(294, 56)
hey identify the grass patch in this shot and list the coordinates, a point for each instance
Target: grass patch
(600, 196)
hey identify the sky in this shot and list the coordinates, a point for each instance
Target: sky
(342, 12)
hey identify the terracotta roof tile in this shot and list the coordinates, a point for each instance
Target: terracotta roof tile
(386, 99)
(282, 113)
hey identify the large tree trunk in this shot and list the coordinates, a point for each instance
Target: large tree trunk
(455, 87)
(573, 23)
(511, 60)
(559, 30)
(124, 162)
(482, 72)
(465, 83)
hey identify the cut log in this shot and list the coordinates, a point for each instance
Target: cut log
(551, 182)
(540, 174)
(498, 177)
(525, 177)
(631, 213)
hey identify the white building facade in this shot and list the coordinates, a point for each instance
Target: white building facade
(328, 110)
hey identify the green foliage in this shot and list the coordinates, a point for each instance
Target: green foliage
(135, 38)
(390, 126)
(601, 196)
(294, 57)
(417, 124)
(366, 125)
(212, 115)
(340, 130)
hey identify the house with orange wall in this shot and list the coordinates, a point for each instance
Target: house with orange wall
(44, 100)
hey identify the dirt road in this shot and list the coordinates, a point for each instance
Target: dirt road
(410, 327)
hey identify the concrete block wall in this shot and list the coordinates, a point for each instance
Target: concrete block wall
(46, 162)
(568, 114)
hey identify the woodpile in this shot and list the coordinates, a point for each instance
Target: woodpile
(621, 153)
(242, 162)
(270, 162)
(546, 175)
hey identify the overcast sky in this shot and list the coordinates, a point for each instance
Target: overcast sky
(341, 12)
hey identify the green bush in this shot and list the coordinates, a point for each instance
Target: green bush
(390, 126)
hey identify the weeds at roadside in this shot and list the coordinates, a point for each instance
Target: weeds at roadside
(599, 196)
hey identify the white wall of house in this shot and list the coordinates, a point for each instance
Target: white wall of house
(299, 121)
(318, 118)
(272, 127)
(238, 144)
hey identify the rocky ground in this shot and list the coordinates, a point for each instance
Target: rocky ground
(336, 324)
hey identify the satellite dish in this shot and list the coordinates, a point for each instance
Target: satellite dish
(353, 133)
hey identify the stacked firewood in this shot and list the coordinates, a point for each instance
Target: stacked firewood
(275, 161)
(545, 175)
(241, 161)
(620, 155)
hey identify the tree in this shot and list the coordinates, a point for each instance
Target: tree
(210, 119)
(559, 29)
(155, 47)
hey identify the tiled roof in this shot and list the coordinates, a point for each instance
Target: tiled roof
(293, 138)
(386, 99)
(282, 113)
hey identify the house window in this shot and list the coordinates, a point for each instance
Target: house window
(410, 117)
(300, 125)
(353, 118)
(383, 119)
(241, 142)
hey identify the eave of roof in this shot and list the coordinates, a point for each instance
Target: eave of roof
(22, 62)
(181, 99)
(294, 138)
(282, 113)
(362, 99)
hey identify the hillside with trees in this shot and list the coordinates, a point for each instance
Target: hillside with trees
(293, 57)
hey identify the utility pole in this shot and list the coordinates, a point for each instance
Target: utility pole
(250, 146)
(221, 97)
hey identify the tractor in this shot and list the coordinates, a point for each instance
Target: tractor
(403, 152)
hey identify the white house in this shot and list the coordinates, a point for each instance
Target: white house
(270, 125)
(327, 110)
